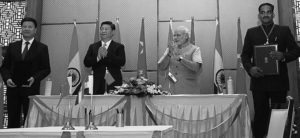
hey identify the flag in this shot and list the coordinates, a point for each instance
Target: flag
(170, 35)
(192, 39)
(74, 68)
(240, 74)
(170, 76)
(117, 36)
(88, 71)
(97, 33)
(142, 62)
(218, 59)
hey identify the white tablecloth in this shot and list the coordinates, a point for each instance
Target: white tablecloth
(79, 132)
(190, 115)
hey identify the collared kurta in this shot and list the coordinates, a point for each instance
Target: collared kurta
(187, 79)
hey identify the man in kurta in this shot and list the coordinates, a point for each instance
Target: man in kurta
(181, 63)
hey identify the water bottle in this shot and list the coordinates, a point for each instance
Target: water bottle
(120, 119)
(48, 87)
(229, 86)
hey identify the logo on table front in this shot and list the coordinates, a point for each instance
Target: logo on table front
(75, 76)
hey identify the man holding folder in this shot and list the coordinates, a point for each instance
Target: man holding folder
(25, 64)
(267, 86)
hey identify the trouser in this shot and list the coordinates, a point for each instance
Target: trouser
(264, 101)
(17, 104)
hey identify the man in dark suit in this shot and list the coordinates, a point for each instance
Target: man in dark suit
(105, 55)
(267, 88)
(25, 64)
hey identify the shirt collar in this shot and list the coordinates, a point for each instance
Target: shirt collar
(30, 41)
(107, 43)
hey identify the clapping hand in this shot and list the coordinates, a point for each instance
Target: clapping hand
(172, 49)
(102, 52)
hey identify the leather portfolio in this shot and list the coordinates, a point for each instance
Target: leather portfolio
(263, 59)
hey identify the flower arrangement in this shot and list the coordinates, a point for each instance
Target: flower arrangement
(139, 87)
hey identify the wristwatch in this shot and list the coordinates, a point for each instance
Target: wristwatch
(180, 58)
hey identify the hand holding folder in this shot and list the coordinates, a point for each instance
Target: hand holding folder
(256, 72)
(276, 55)
(266, 58)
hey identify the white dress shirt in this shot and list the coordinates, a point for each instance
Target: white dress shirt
(23, 44)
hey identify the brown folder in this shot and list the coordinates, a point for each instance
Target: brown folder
(263, 60)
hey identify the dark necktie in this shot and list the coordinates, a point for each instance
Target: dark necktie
(25, 50)
(104, 45)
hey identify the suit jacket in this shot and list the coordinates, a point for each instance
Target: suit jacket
(36, 64)
(113, 61)
(280, 35)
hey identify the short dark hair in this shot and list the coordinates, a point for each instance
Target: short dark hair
(112, 26)
(29, 19)
(268, 4)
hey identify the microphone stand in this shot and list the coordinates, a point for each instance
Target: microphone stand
(68, 124)
(91, 125)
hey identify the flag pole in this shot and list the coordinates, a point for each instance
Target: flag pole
(105, 87)
(192, 37)
(169, 69)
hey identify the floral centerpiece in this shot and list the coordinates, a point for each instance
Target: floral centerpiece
(140, 87)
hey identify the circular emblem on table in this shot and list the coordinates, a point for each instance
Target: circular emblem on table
(75, 76)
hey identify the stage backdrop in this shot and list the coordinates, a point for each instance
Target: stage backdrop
(58, 17)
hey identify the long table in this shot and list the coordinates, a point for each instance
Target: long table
(190, 115)
(80, 132)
